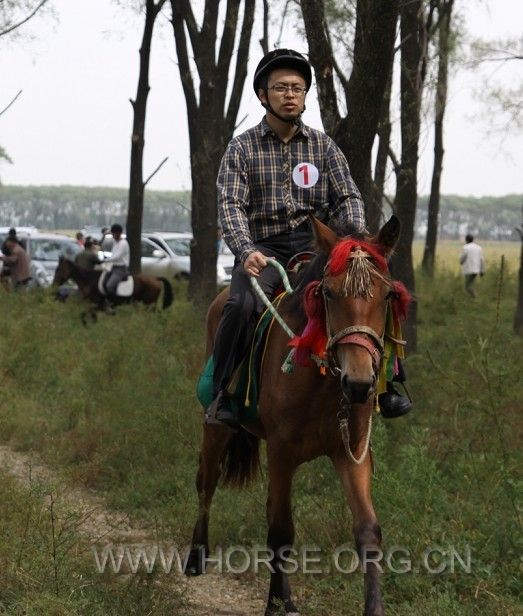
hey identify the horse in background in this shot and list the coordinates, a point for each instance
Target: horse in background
(147, 289)
(343, 297)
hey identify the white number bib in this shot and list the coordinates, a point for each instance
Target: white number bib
(305, 175)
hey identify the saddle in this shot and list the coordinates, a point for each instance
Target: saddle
(125, 288)
(244, 385)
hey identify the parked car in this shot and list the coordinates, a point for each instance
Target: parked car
(155, 261)
(178, 245)
(44, 249)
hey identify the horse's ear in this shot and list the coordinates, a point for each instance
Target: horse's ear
(325, 237)
(388, 235)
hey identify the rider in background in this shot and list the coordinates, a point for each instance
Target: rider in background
(120, 258)
(88, 258)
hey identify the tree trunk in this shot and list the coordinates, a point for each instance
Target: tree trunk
(412, 57)
(375, 206)
(136, 183)
(211, 121)
(429, 253)
(518, 315)
(364, 91)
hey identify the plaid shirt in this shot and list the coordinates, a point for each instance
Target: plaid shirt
(258, 198)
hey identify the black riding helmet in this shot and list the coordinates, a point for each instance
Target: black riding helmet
(116, 228)
(282, 58)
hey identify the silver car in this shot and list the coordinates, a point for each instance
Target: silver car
(155, 261)
(178, 245)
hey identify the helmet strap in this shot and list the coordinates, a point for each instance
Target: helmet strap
(281, 118)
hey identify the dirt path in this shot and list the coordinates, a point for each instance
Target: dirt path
(212, 594)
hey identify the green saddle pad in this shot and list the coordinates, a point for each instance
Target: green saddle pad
(245, 396)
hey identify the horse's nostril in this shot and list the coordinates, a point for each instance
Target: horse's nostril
(356, 391)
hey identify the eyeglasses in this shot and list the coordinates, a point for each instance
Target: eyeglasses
(281, 88)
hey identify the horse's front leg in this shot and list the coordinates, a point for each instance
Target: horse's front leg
(356, 480)
(281, 465)
(215, 440)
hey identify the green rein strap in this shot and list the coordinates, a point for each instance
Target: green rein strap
(270, 307)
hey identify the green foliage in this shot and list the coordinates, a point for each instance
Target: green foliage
(488, 218)
(113, 405)
(46, 568)
(73, 207)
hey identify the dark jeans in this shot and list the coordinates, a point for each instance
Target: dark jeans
(116, 275)
(469, 284)
(243, 307)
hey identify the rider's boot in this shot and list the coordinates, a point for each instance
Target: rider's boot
(393, 404)
(222, 411)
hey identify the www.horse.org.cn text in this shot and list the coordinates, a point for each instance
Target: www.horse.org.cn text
(309, 559)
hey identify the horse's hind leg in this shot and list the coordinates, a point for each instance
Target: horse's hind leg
(215, 441)
(367, 533)
(281, 465)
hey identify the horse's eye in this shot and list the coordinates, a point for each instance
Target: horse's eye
(328, 294)
(390, 295)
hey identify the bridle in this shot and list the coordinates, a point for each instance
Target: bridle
(359, 335)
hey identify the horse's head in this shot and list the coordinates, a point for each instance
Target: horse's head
(356, 288)
(63, 271)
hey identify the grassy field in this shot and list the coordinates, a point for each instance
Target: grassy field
(112, 407)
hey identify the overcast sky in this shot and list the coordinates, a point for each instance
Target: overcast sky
(72, 123)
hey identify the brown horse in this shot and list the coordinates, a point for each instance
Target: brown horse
(307, 414)
(147, 289)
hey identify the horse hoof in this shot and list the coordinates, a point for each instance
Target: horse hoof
(277, 610)
(195, 563)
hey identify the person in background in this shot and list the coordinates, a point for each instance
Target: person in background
(88, 258)
(120, 259)
(472, 263)
(80, 238)
(18, 261)
(5, 275)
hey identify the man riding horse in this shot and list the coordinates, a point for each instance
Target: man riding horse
(272, 178)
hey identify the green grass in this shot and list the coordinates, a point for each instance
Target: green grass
(46, 567)
(113, 406)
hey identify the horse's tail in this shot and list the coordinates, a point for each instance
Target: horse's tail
(167, 293)
(241, 460)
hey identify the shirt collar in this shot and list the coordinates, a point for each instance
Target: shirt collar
(265, 129)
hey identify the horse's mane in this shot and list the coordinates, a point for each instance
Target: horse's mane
(314, 270)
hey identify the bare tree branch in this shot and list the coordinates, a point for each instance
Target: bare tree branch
(26, 19)
(178, 19)
(226, 46)
(9, 104)
(240, 72)
(264, 41)
(155, 171)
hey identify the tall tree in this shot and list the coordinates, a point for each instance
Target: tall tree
(429, 253)
(518, 315)
(413, 30)
(136, 181)
(364, 90)
(210, 117)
